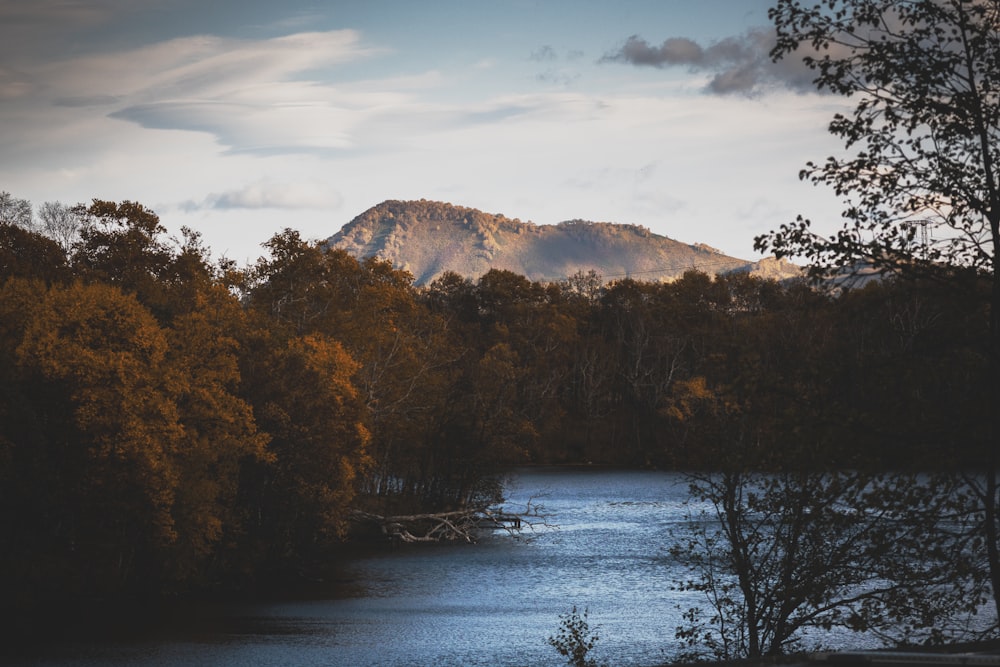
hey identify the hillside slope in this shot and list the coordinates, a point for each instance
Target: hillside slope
(428, 238)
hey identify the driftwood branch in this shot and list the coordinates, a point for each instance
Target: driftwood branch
(457, 525)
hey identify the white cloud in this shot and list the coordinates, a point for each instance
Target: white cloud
(248, 94)
(252, 127)
(205, 66)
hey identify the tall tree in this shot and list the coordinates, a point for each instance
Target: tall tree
(14, 211)
(28, 254)
(304, 399)
(107, 435)
(220, 434)
(923, 138)
(780, 555)
(122, 244)
(61, 223)
(921, 177)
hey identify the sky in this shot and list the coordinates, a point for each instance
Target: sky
(240, 118)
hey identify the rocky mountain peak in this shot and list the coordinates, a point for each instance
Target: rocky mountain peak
(428, 238)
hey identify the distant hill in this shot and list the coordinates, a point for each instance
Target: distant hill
(428, 238)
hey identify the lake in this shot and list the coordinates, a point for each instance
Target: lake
(492, 603)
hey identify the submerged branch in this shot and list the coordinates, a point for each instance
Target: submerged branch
(456, 525)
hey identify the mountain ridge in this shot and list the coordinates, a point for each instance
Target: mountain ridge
(428, 238)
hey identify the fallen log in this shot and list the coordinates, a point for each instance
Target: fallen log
(457, 525)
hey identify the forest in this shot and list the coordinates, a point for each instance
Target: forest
(173, 424)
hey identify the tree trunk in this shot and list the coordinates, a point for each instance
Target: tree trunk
(990, 499)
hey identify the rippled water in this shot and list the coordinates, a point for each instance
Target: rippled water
(493, 603)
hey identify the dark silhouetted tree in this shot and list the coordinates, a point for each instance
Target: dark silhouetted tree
(923, 153)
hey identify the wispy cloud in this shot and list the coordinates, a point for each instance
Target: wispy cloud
(248, 94)
(543, 53)
(558, 77)
(235, 89)
(269, 195)
(554, 74)
(739, 64)
(252, 126)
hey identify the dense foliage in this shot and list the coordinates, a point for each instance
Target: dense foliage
(170, 424)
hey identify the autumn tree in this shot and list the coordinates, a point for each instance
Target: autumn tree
(454, 297)
(89, 349)
(296, 500)
(534, 321)
(409, 360)
(27, 254)
(221, 437)
(25, 434)
(123, 244)
(101, 432)
(294, 283)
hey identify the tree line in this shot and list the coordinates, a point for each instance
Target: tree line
(169, 422)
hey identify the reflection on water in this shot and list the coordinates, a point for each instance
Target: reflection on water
(494, 603)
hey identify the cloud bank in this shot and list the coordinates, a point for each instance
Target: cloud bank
(739, 65)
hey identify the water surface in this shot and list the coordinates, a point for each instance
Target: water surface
(493, 603)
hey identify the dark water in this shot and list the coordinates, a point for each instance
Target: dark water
(493, 603)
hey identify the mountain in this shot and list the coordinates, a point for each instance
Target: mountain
(428, 238)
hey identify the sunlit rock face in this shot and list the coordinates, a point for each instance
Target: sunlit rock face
(428, 238)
